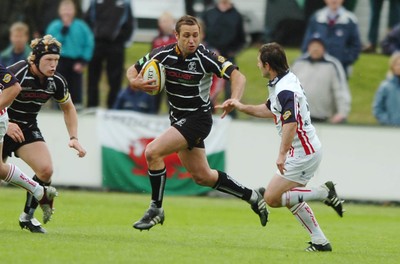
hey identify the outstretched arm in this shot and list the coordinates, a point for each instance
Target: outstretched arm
(238, 83)
(260, 110)
(71, 121)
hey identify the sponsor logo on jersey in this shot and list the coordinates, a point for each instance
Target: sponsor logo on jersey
(7, 78)
(287, 114)
(35, 95)
(221, 59)
(192, 66)
(181, 122)
(36, 134)
(180, 75)
(51, 87)
(198, 140)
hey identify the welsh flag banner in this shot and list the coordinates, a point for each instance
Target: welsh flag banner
(123, 138)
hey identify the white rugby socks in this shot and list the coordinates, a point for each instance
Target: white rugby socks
(305, 216)
(16, 177)
(302, 194)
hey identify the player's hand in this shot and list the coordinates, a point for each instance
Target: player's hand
(227, 106)
(280, 163)
(74, 143)
(138, 83)
(15, 132)
(337, 119)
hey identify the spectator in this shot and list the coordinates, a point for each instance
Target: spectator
(391, 42)
(375, 16)
(327, 92)
(310, 6)
(386, 107)
(225, 32)
(77, 42)
(11, 11)
(135, 100)
(40, 13)
(112, 23)
(19, 47)
(218, 84)
(166, 36)
(338, 27)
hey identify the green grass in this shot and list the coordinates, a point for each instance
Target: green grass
(367, 74)
(96, 227)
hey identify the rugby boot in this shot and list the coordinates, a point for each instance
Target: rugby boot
(46, 203)
(333, 200)
(319, 247)
(260, 207)
(32, 225)
(151, 217)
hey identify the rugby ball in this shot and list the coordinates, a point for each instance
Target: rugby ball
(154, 70)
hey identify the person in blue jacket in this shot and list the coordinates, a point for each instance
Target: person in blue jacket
(338, 27)
(19, 47)
(386, 107)
(77, 40)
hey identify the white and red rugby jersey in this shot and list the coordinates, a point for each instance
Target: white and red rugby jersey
(288, 102)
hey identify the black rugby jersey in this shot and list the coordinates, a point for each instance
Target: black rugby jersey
(188, 80)
(29, 101)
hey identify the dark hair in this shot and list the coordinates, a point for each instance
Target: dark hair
(186, 20)
(274, 55)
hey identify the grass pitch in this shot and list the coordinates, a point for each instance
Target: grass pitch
(96, 227)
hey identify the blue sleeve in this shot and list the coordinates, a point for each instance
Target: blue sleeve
(308, 33)
(89, 43)
(354, 47)
(286, 99)
(7, 79)
(379, 107)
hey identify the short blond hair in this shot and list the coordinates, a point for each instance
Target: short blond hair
(19, 27)
(42, 46)
(393, 58)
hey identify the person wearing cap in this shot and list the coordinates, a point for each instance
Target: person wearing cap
(327, 92)
(338, 27)
(40, 82)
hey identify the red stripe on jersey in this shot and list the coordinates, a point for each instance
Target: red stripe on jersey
(291, 151)
(302, 135)
(300, 190)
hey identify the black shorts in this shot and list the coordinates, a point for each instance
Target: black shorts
(31, 133)
(194, 128)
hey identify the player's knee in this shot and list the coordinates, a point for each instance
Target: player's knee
(150, 154)
(45, 173)
(272, 201)
(202, 179)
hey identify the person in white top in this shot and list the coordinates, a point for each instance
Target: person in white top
(328, 92)
(300, 151)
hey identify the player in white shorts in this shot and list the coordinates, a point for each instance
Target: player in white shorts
(300, 150)
(9, 89)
